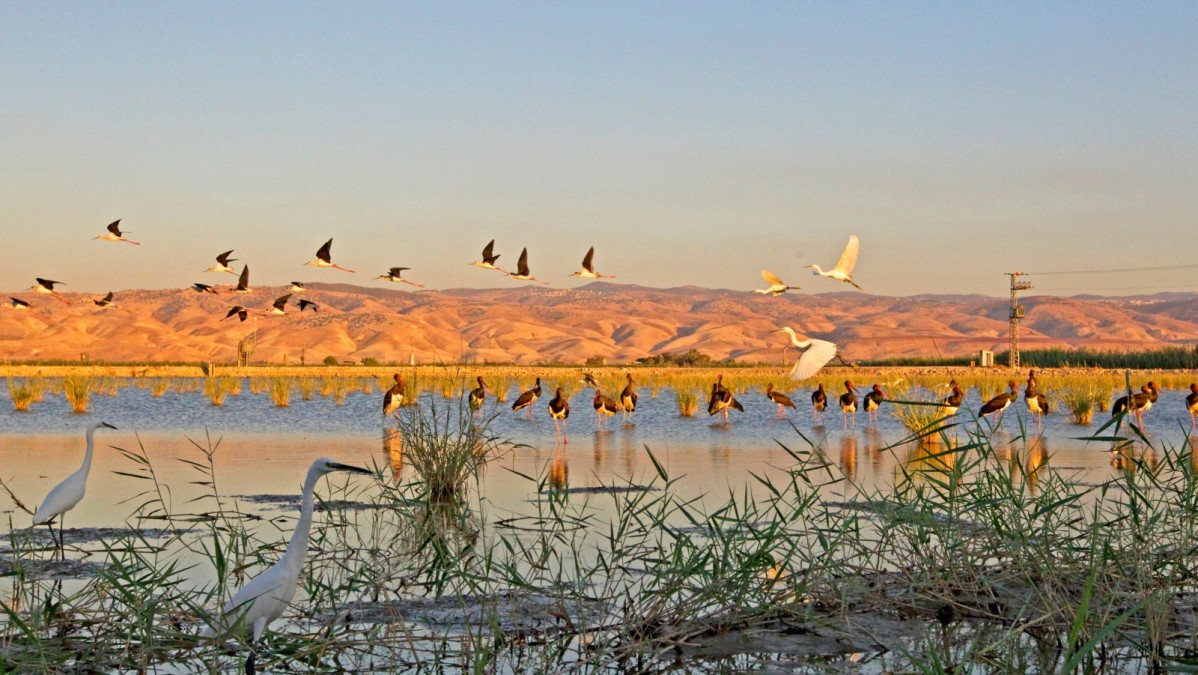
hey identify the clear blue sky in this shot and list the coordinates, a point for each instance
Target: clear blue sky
(690, 143)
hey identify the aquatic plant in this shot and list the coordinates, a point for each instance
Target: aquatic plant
(688, 403)
(77, 389)
(159, 386)
(22, 393)
(280, 391)
(217, 387)
(1081, 400)
(307, 387)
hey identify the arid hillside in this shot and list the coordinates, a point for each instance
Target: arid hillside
(539, 325)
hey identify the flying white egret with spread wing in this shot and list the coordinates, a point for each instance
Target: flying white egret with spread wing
(844, 267)
(69, 492)
(114, 233)
(777, 287)
(818, 353)
(264, 598)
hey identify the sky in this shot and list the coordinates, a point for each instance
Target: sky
(688, 142)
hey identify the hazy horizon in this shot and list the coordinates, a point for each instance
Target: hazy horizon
(690, 143)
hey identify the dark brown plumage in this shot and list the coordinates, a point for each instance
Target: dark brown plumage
(819, 402)
(782, 400)
(604, 407)
(559, 410)
(528, 398)
(394, 397)
(848, 403)
(628, 397)
(478, 395)
(998, 404)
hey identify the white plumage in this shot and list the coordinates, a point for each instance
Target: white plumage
(777, 287)
(70, 491)
(844, 267)
(817, 354)
(264, 598)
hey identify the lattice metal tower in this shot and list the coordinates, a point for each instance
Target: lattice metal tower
(1016, 314)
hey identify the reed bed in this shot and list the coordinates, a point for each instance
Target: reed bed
(688, 402)
(307, 387)
(78, 389)
(1081, 400)
(280, 391)
(217, 387)
(920, 411)
(23, 392)
(972, 560)
(159, 386)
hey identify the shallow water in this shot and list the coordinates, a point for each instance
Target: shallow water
(264, 449)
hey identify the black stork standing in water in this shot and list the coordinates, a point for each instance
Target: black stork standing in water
(46, 287)
(998, 404)
(1037, 403)
(395, 274)
(819, 403)
(222, 263)
(952, 402)
(782, 400)
(528, 398)
(588, 268)
(628, 398)
(722, 399)
(559, 410)
(394, 397)
(604, 408)
(522, 273)
(848, 403)
(1140, 403)
(305, 304)
(1192, 405)
(873, 401)
(478, 395)
(324, 258)
(114, 233)
(489, 258)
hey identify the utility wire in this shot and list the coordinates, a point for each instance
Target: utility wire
(1127, 269)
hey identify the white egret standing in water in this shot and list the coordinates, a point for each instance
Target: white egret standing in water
(819, 352)
(264, 597)
(69, 492)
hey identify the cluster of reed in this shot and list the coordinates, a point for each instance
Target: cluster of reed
(24, 392)
(217, 387)
(78, 389)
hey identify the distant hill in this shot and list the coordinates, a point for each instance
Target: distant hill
(616, 321)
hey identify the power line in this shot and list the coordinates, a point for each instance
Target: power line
(1119, 288)
(1126, 269)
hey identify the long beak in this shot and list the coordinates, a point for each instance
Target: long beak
(108, 425)
(351, 469)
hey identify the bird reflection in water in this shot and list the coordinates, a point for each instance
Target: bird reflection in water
(393, 449)
(848, 457)
(875, 447)
(602, 451)
(627, 448)
(930, 455)
(1037, 461)
(559, 471)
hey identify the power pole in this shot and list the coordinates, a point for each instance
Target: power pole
(1016, 314)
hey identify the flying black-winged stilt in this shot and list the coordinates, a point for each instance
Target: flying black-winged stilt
(844, 267)
(297, 287)
(522, 272)
(489, 258)
(559, 410)
(278, 307)
(243, 281)
(22, 306)
(395, 274)
(528, 398)
(324, 258)
(305, 304)
(777, 286)
(222, 263)
(588, 268)
(114, 233)
(106, 303)
(782, 400)
(204, 288)
(46, 287)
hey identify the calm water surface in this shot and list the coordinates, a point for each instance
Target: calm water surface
(264, 449)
